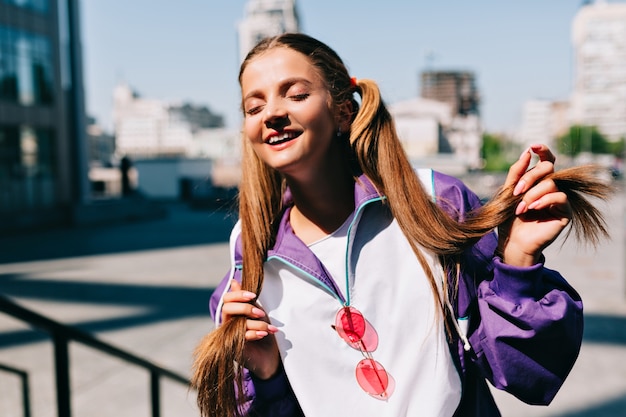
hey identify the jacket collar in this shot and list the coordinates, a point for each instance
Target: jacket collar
(287, 241)
(290, 248)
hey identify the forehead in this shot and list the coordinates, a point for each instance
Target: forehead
(276, 65)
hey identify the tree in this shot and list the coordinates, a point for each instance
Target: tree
(581, 138)
(618, 148)
(494, 152)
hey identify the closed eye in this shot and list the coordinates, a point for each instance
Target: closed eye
(253, 110)
(300, 97)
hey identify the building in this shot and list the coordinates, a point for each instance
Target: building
(458, 90)
(423, 126)
(150, 128)
(543, 121)
(264, 18)
(43, 163)
(100, 143)
(599, 43)
(177, 150)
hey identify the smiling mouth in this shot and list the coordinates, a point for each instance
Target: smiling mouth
(282, 138)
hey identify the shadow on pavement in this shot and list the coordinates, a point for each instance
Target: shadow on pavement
(155, 304)
(181, 226)
(613, 408)
(601, 328)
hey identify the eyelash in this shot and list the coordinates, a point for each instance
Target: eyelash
(296, 97)
(300, 97)
(253, 111)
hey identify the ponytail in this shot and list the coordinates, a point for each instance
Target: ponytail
(218, 376)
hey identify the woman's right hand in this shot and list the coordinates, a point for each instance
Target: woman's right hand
(261, 351)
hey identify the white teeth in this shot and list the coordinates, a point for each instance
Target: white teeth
(276, 139)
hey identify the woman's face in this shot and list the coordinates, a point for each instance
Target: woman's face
(287, 112)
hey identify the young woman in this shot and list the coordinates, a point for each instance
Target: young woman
(361, 286)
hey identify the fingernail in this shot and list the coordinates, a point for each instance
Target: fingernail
(258, 312)
(272, 328)
(261, 333)
(520, 208)
(248, 294)
(519, 187)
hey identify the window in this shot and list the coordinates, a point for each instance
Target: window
(28, 172)
(26, 72)
(40, 6)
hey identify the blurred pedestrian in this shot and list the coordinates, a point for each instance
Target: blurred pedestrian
(126, 165)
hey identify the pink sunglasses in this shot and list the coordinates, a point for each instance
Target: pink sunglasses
(359, 334)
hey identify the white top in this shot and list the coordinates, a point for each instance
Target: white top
(388, 285)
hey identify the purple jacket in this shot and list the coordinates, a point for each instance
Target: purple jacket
(525, 324)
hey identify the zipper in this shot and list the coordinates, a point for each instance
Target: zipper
(348, 244)
(333, 291)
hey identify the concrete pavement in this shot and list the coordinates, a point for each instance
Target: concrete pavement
(141, 286)
(144, 286)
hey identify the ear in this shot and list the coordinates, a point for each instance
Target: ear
(344, 115)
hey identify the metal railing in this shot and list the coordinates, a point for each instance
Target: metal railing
(61, 336)
(23, 375)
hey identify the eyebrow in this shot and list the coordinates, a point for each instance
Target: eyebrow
(284, 85)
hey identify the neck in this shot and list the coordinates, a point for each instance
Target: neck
(321, 205)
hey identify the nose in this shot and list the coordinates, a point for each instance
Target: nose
(274, 113)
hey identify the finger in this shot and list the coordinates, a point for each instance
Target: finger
(556, 203)
(254, 335)
(543, 196)
(544, 153)
(237, 295)
(257, 330)
(241, 309)
(532, 176)
(518, 168)
(534, 194)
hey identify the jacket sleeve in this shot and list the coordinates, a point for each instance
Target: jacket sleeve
(526, 324)
(264, 398)
(530, 331)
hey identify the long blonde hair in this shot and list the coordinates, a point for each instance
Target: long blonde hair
(374, 149)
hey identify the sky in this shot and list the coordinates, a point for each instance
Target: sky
(187, 50)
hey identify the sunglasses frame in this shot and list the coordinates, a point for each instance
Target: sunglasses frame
(359, 334)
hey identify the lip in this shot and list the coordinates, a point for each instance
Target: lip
(284, 135)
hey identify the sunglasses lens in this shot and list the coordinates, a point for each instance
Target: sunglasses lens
(374, 380)
(355, 330)
(350, 325)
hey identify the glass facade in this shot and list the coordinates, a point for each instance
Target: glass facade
(26, 69)
(43, 163)
(27, 168)
(28, 147)
(40, 6)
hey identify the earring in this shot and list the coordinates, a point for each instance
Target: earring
(339, 132)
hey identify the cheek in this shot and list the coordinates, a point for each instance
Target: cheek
(323, 123)
(251, 129)
(316, 115)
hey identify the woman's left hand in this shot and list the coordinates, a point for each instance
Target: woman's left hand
(541, 215)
